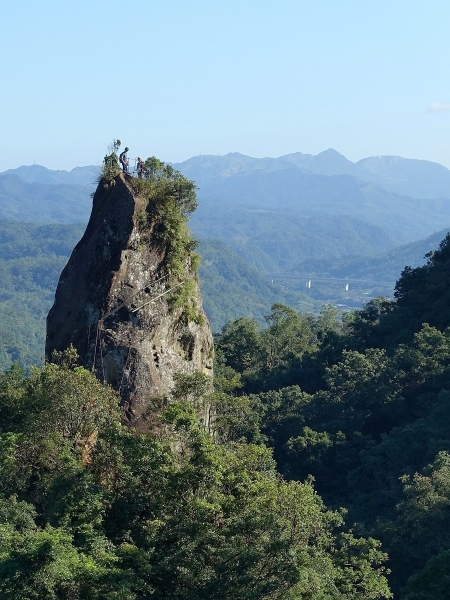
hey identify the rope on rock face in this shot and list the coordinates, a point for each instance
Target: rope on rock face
(126, 364)
(159, 296)
(148, 284)
(103, 364)
(99, 334)
(96, 344)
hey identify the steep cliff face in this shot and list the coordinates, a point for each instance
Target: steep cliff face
(118, 300)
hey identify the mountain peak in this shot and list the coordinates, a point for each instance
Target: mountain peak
(330, 162)
(133, 322)
(237, 155)
(331, 152)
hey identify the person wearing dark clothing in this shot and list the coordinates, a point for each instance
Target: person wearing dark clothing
(124, 160)
(140, 167)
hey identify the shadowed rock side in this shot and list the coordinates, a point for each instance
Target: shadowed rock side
(111, 304)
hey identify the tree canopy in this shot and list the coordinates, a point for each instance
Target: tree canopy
(91, 509)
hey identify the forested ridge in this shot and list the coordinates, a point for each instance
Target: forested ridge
(362, 406)
(325, 473)
(31, 260)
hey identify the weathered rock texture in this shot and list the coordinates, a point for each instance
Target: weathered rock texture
(111, 304)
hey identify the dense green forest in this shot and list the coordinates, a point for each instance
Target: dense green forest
(355, 413)
(363, 406)
(356, 407)
(90, 509)
(181, 508)
(331, 436)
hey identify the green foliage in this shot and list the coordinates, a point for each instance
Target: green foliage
(235, 419)
(423, 525)
(267, 358)
(91, 509)
(431, 583)
(415, 288)
(170, 200)
(360, 404)
(189, 387)
(110, 166)
(183, 297)
(363, 406)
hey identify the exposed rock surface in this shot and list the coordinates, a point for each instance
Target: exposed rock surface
(112, 305)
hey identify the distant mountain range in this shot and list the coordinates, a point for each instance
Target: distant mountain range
(85, 176)
(401, 217)
(405, 176)
(299, 214)
(273, 212)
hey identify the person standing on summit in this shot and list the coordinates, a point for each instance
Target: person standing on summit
(140, 167)
(124, 160)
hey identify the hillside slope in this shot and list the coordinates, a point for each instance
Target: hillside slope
(274, 240)
(43, 202)
(31, 260)
(385, 266)
(405, 218)
(231, 288)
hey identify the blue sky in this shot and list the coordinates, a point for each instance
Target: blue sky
(180, 78)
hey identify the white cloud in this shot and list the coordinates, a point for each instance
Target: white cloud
(436, 106)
